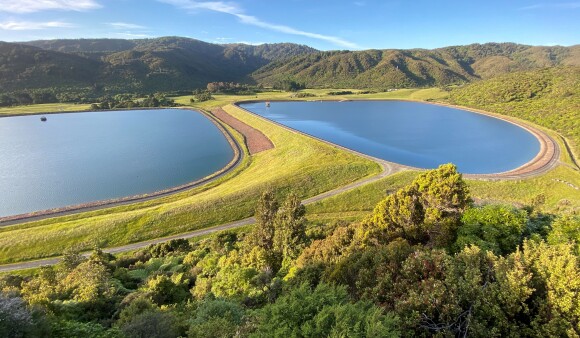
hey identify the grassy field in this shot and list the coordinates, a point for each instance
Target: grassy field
(305, 166)
(43, 108)
(422, 94)
(298, 163)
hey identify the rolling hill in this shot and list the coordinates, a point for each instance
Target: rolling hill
(176, 63)
(393, 68)
(169, 63)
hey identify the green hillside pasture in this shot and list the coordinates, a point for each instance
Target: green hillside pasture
(418, 94)
(303, 165)
(42, 108)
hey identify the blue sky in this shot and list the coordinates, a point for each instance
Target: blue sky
(322, 24)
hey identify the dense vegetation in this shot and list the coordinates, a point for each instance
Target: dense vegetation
(548, 97)
(121, 66)
(426, 261)
(112, 66)
(123, 101)
(384, 69)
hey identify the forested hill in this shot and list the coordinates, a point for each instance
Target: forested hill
(394, 68)
(175, 63)
(169, 63)
(26, 66)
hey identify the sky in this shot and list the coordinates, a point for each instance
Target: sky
(322, 24)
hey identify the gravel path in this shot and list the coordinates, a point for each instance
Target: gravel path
(255, 140)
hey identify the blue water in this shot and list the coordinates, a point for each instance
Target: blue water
(84, 157)
(415, 134)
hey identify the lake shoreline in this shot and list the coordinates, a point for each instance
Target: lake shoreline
(102, 204)
(546, 158)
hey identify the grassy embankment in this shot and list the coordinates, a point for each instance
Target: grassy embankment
(305, 166)
(43, 108)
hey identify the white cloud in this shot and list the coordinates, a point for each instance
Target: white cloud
(250, 43)
(29, 25)
(128, 35)
(555, 5)
(233, 9)
(30, 6)
(125, 25)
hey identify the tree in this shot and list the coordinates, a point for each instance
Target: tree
(15, 319)
(566, 229)
(74, 329)
(216, 319)
(497, 228)
(164, 290)
(425, 212)
(322, 312)
(290, 231)
(555, 278)
(89, 282)
(153, 323)
(262, 234)
(266, 210)
(289, 85)
(203, 96)
(444, 196)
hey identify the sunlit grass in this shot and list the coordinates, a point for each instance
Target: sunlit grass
(420, 94)
(43, 108)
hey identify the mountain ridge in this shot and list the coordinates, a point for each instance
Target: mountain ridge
(396, 68)
(177, 63)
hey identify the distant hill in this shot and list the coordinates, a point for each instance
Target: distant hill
(393, 68)
(175, 63)
(24, 66)
(169, 63)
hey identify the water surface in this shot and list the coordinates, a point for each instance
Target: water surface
(85, 157)
(415, 134)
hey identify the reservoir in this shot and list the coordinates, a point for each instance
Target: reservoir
(414, 134)
(79, 158)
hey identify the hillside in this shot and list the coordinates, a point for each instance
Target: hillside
(169, 63)
(393, 68)
(549, 97)
(25, 66)
(175, 63)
